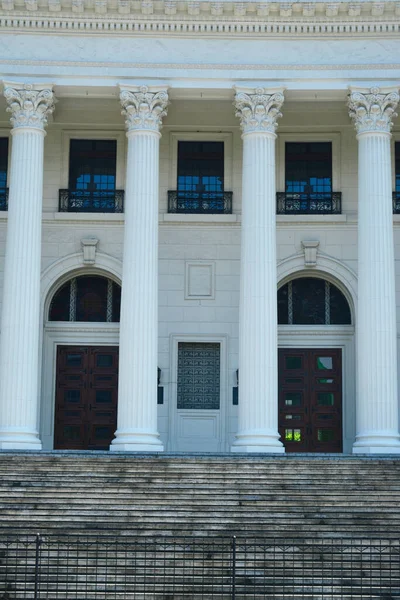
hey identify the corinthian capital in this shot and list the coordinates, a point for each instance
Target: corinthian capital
(258, 110)
(143, 107)
(29, 104)
(373, 109)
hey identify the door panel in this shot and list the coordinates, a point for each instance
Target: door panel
(197, 416)
(86, 397)
(310, 399)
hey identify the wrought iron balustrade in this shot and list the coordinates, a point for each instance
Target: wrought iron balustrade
(396, 203)
(110, 566)
(316, 203)
(3, 198)
(200, 202)
(93, 201)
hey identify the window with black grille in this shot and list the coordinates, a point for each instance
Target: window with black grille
(3, 172)
(87, 298)
(200, 181)
(312, 301)
(92, 165)
(92, 177)
(308, 167)
(308, 180)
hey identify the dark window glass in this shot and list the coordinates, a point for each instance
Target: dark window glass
(339, 307)
(201, 169)
(397, 165)
(91, 299)
(104, 360)
(293, 362)
(86, 299)
(74, 360)
(3, 162)
(283, 309)
(308, 301)
(92, 165)
(312, 301)
(308, 168)
(72, 396)
(116, 302)
(59, 307)
(103, 396)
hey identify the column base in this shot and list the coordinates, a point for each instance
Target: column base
(266, 444)
(19, 440)
(376, 449)
(377, 443)
(128, 441)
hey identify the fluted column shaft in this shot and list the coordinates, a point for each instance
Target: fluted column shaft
(377, 394)
(137, 384)
(20, 319)
(258, 342)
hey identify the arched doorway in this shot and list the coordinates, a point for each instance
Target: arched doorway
(81, 324)
(315, 318)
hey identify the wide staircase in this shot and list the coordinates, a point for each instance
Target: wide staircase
(169, 527)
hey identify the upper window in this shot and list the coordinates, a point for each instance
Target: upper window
(200, 179)
(308, 179)
(312, 301)
(87, 298)
(92, 177)
(3, 173)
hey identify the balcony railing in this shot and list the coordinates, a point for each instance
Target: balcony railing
(200, 202)
(318, 203)
(396, 203)
(98, 201)
(3, 198)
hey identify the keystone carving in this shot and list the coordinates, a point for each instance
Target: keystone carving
(258, 111)
(373, 110)
(143, 108)
(29, 105)
(310, 248)
(89, 246)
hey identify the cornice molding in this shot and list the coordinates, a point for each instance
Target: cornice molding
(202, 18)
(203, 66)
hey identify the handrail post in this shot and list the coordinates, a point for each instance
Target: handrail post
(38, 542)
(233, 589)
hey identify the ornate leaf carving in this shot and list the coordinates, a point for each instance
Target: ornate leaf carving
(258, 111)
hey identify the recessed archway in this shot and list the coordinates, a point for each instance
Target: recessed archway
(319, 331)
(69, 334)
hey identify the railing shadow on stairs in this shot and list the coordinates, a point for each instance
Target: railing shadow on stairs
(126, 567)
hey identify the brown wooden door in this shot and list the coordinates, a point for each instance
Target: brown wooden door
(310, 399)
(86, 397)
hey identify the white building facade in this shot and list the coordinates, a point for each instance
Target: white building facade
(209, 192)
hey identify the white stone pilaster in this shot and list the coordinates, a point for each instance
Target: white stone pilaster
(143, 109)
(30, 106)
(377, 395)
(258, 342)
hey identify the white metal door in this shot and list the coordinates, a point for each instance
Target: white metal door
(198, 399)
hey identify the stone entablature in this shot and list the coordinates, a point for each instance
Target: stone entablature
(191, 16)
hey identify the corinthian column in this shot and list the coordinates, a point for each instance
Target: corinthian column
(143, 109)
(377, 400)
(258, 111)
(30, 106)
